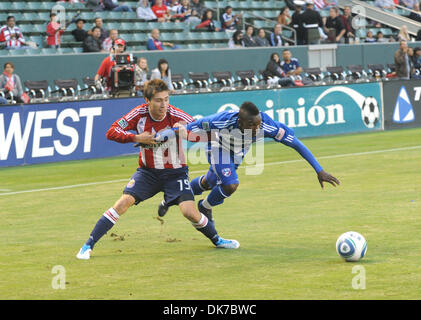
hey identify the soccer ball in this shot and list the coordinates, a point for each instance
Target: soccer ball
(370, 112)
(351, 246)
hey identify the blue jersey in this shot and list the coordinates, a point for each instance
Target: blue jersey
(291, 66)
(222, 125)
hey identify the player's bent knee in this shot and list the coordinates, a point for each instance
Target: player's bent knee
(230, 188)
(189, 211)
(124, 203)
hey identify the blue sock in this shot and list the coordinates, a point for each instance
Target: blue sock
(196, 186)
(215, 197)
(105, 223)
(207, 228)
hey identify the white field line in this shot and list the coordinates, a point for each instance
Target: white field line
(201, 171)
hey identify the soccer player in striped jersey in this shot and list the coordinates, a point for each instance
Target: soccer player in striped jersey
(230, 135)
(162, 166)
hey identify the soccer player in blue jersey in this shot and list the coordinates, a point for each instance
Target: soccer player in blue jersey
(226, 149)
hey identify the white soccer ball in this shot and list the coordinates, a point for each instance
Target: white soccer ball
(351, 246)
(370, 112)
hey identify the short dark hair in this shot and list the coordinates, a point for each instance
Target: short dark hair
(8, 63)
(153, 87)
(250, 108)
(10, 17)
(93, 29)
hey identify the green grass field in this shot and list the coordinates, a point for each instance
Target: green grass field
(286, 224)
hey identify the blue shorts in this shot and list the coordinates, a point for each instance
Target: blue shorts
(145, 183)
(223, 171)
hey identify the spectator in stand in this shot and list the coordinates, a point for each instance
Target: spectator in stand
(417, 14)
(290, 65)
(275, 38)
(385, 4)
(403, 34)
(10, 35)
(324, 4)
(297, 23)
(155, 44)
(99, 23)
(172, 6)
(237, 40)
(403, 60)
(161, 11)
(409, 3)
(284, 18)
(112, 5)
(369, 38)
(229, 20)
(93, 42)
(347, 22)
(79, 33)
(107, 44)
(312, 23)
(144, 11)
(416, 62)
(208, 22)
(94, 5)
(249, 39)
(183, 11)
(418, 38)
(380, 37)
(261, 39)
(274, 74)
(10, 83)
(198, 9)
(163, 72)
(104, 71)
(54, 32)
(334, 27)
(141, 75)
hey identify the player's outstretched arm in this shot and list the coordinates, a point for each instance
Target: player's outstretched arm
(322, 175)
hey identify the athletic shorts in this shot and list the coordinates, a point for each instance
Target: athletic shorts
(221, 171)
(145, 183)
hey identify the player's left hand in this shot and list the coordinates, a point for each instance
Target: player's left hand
(323, 176)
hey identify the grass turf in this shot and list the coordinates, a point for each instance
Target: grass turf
(286, 224)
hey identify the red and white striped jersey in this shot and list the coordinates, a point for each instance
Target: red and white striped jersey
(12, 37)
(167, 155)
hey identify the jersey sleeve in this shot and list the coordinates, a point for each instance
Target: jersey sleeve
(216, 121)
(285, 135)
(276, 130)
(120, 129)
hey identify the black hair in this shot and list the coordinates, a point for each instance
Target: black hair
(250, 108)
(273, 55)
(10, 17)
(235, 35)
(161, 62)
(205, 14)
(93, 29)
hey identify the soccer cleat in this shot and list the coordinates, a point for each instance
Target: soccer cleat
(227, 243)
(162, 209)
(205, 211)
(84, 252)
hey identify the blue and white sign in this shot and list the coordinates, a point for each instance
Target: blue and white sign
(61, 131)
(52, 132)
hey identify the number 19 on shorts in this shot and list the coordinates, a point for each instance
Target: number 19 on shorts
(184, 184)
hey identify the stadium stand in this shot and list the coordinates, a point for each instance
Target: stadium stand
(33, 16)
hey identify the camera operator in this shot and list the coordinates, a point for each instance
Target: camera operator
(104, 71)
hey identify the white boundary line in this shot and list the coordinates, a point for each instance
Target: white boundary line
(200, 171)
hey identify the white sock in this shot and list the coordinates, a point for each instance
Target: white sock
(206, 204)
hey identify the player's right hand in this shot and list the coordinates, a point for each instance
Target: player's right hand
(323, 176)
(145, 138)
